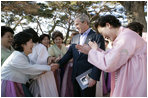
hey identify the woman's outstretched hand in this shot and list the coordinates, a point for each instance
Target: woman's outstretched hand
(84, 49)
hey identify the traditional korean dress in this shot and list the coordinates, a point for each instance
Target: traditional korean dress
(44, 85)
(127, 61)
(55, 51)
(15, 72)
(5, 53)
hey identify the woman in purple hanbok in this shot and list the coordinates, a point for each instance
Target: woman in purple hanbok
(126, 60)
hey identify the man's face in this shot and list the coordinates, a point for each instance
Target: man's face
(81, 26)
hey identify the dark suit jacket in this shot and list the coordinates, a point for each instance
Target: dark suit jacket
(80, 60)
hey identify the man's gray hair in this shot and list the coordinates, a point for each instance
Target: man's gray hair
(83, 17)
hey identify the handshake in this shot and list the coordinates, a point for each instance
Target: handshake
(52, 61)
(54, 66)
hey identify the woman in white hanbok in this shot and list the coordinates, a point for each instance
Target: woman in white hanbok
(44, 85)
(17, 70)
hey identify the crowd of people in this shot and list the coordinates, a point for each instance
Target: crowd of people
(33, 67)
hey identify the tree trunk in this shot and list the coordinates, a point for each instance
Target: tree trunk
(67, 34)
(53, 27)
(135, 12)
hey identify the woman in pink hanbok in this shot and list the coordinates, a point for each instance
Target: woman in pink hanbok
(126, 60)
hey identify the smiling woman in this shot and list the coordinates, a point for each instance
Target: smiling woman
(57, 50)
(44, 84)
(17, 70)
(24, 43)
(6, 42)
(124, 60)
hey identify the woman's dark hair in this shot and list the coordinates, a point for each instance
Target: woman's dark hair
(5, 29)
(112, 20)
(34, 33)
(136, 26)
(43, 36)
(57, 34)
(19, 39)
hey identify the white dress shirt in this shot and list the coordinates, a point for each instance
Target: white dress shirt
(84, 36)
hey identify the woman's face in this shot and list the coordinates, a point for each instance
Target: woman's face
(28, 47)
(107, 32)
(58, 41)
(45, 41)
(7, 39)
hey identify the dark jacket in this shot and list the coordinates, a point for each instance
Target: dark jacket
(80, 60)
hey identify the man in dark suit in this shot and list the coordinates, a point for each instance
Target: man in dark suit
(80, 63)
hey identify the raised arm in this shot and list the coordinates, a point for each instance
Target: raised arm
(112, 60)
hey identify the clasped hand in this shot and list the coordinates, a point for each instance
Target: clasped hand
(86, 48)
(54, 66)
(51, 62)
